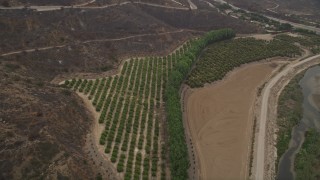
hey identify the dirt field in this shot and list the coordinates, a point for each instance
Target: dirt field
(220, 121)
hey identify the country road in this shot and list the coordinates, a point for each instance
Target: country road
(54, 8)
(85, 3)
(98, 40)
(32, 50)
(47, 8)
(260, 157)
(192, 7)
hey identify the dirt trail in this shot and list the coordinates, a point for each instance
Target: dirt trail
(84, 6)
(274, 7)
(220, 120)
(99, 40)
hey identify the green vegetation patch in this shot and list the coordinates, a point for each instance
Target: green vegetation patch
(222, 57)
(307, 161)
(289, 113)
(263, 20)
(307, 39)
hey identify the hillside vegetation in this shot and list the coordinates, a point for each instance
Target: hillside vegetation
(43, 129)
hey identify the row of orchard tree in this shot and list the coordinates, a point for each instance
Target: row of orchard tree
(129, 102)
(220, 58)
(178, 153)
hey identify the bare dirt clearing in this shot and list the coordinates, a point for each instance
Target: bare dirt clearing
(220, 120)
(267, 37)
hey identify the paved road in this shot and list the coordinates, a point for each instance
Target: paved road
(259, 174)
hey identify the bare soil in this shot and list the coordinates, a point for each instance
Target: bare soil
(267, 37)
(220, 119)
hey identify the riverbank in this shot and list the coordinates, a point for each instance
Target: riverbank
(265, 156)
(289, 113)
(307, 162)
(307, 86)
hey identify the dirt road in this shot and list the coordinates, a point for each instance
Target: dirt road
(99, 40)
(220, 119)
(83, 6)
(209, 3)
(32, 50)
(192, 5)
(260, 156)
